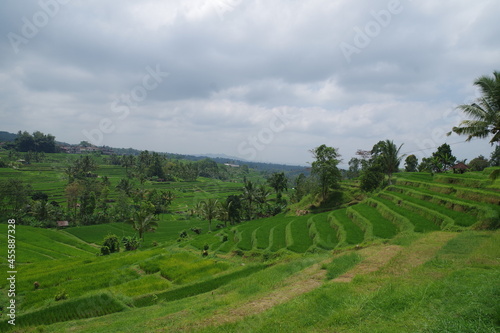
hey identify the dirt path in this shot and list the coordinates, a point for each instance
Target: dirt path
(375, 258)
(418, 253)
(389, 259)
(303, 282)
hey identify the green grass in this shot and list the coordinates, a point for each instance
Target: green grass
(459, 218)
(341, 265)
(420, 223)
(354, 234)
(36, 244)
(85, 307)
(171, 287)
(300, 239)
(382, 228)
(326, 234)
(196, 288)
(278, 235)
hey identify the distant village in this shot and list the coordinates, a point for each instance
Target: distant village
(82, 149)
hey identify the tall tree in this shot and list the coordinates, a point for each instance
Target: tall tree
(249, 196)
(234, 207)
(443, 157)
(143, 220)
(278, 182)
(262, 197)
(484, 113)
(479, 163)
(325, 168)
(155, 168)
(72, 193)
(209, 210)
(225, 211)
(387, 156)
(495, 157)
(354, 168)
(128, 162)
(411, 163)
(14, 195)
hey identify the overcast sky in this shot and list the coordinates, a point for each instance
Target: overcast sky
(259, 80)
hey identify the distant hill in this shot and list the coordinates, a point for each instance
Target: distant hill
(7, 137)
(290, 170)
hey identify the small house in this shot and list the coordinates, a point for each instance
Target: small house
(61, 224)
(459, 168)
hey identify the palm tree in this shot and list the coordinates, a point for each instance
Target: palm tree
(388, 157)
(144, 220)
(484, 113)
(278, 182)
(225, 211)
(249, 194)
(262, 196)
(128, 161)
(210, 210)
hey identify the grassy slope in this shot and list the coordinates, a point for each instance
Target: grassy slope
(433, 284)
(391, 297)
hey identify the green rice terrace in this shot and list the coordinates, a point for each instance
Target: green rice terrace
(422, 255)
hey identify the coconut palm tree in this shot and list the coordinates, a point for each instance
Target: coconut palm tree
(210, 210)
(225, 211)
(249, 196)
(387, 155)
(484, 113)
(278, 182)
(144, 220)
(262, 194)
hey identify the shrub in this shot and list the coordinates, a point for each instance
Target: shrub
(131, 243)
(61, 295)
(105, 250)
(112, 242)
(196, 230)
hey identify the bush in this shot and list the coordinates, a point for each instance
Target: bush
(371, 180)
(62, 295)
(131, 243)
(105, 250)
(112, 242)
(196, 230)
